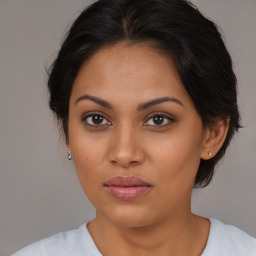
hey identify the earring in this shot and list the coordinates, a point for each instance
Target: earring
(209, 153)
(69, 155)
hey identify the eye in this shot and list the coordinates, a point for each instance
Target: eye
(94, 119)
(160, 120)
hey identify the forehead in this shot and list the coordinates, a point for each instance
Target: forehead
(136, 71)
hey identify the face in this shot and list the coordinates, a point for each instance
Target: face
(130, 117)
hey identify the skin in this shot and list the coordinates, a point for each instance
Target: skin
(128, 142)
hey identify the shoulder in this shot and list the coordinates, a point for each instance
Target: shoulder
(74, 242)
(229, 240)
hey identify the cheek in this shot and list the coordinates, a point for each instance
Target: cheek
(85, 146)
(174, 174)
(86, 153)
(86, 160)
(90, 162)
(177, 159)
(176, 164)
(87, 157)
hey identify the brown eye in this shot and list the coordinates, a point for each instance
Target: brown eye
(159, 120)
(95, 120)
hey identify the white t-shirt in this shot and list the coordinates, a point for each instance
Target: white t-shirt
(223, 240)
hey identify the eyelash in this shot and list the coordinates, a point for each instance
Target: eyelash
(169, 119)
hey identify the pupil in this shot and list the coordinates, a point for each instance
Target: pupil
(97, 119)
(158, 119)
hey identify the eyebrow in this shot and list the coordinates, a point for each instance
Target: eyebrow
(141, 107)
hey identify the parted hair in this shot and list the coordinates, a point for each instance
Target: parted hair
(175, 28)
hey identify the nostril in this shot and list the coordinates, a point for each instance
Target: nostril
(124, 163)
(125, 157)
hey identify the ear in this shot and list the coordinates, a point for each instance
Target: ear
(214, 137)
(67, 147)
(67, 143)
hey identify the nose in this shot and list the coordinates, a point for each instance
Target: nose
(126, 149)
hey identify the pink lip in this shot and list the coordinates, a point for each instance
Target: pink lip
(126, 188)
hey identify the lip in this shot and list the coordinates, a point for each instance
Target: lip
(127, 188)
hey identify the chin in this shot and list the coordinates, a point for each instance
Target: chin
(130, 217)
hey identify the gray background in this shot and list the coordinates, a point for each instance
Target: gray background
(39, 191)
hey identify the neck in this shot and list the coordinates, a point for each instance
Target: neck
(175, 235)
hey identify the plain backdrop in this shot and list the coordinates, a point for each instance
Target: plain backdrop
(39, 191)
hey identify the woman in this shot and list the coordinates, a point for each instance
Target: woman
(146, 98)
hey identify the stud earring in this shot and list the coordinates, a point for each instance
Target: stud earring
(69, 155)
(209, 153)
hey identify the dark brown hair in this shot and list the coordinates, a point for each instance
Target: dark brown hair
(174, 27)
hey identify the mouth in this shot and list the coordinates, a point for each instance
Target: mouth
(126, 188)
